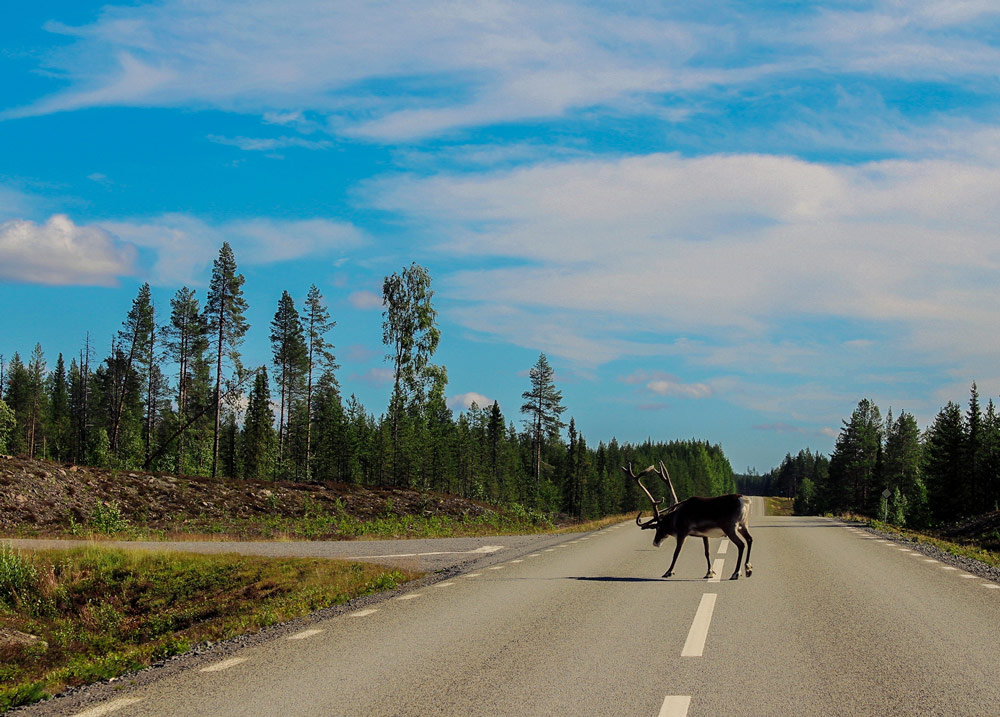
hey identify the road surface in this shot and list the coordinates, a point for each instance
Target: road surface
(834, 621)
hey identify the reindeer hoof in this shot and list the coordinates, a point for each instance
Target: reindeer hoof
(711, 574)
(749, 571)
(736, 576)
(667, 574)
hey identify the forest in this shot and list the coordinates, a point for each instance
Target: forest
(943, 474)
(173, 395)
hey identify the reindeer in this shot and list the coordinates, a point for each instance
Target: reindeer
(701, 517)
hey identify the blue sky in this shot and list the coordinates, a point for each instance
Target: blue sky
(722, 220)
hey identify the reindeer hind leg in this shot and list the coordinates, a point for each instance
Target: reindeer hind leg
(708, 559)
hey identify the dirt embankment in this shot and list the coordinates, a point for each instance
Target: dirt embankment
(45, 498)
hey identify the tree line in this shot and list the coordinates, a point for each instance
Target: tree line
(887, 467)
(172, 394)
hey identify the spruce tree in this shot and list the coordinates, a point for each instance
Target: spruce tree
(258, 440)
(186, 343)
(58, 413)
(944, 465)
(289, 351)
(974, 447)
(902, 467)
(224, 308)
(853, 477)
(134, 341)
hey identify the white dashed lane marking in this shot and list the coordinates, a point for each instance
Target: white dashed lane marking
(224, 665)
(304, 634)
(694, 646)
(675, 706)
(444, 585)
(364, 613)
(411, 596)
(723, 546)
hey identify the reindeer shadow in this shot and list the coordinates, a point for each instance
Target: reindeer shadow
(611, 579)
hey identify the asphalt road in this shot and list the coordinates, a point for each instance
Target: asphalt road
(833, 622)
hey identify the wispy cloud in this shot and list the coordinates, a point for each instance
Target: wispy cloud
(269, 144)
(364, 66)
(364, 299)
(184, 245)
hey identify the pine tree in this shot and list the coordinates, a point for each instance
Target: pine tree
(320, 355)
(226, 325)
(543, 404)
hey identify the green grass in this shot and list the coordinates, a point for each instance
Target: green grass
(780, 506)
(104, 612)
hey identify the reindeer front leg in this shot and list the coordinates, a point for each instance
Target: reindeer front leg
(710, 573)
(677, 551)
(735, 540)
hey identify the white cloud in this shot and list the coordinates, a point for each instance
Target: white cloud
(61, 252)
(463, 401)
(624, 257)
(664, 384)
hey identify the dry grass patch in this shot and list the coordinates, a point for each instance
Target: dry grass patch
(98, 613)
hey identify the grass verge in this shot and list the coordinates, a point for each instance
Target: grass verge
(965, 549)
(319, 524)
(315, 523)
(99, 613)
(779, 506)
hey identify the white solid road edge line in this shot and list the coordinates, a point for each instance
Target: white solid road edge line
(694, 646)
(109, 707)
(675, 706)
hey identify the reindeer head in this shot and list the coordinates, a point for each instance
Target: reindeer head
(662, 521)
